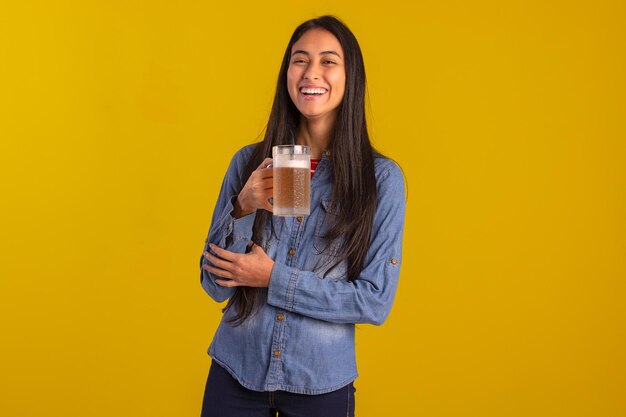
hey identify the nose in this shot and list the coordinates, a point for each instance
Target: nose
(311, 72)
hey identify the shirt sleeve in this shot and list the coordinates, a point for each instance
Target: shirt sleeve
(367, 299)
(226, 231)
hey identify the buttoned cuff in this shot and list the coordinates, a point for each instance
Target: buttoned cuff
(282, 287)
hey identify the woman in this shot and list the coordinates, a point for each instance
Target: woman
(297, 286)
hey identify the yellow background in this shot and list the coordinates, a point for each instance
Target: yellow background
(117, 122)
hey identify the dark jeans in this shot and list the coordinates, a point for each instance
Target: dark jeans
(225, 397)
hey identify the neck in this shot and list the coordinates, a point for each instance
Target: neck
(316, 134)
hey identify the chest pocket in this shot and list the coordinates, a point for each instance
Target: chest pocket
(327, 218)
(328, 253)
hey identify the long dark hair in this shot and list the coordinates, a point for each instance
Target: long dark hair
(354, 184)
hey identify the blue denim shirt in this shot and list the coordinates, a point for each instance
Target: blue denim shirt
(302, 339)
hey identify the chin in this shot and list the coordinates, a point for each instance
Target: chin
(315, 114)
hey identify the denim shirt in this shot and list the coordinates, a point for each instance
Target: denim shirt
(302, 339)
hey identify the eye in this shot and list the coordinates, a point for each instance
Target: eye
(328, 61)
(298, 61)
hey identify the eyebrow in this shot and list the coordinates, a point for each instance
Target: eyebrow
(300, 51)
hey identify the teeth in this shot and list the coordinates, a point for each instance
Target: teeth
(313, 90)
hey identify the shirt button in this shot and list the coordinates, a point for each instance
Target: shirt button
(327, 153)
(394, 261)
(280, 317)
(277, 353)
(292, 251)
(299, 219)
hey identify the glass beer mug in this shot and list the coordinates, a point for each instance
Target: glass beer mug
(292, 180)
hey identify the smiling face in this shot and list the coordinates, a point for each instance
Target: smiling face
(316, 78)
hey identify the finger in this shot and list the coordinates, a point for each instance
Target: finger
(218, 262)
(261, 174)
(256, 249)
(265, 202)
(267, 183)
(261, 184)
(207, 253)
(226, 283)
(223, 253)
(265, 163)
(267, 206)
(267, 172)
(217, 271)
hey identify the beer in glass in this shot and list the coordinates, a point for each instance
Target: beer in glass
(292, 180)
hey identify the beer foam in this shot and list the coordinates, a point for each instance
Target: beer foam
(285, 161)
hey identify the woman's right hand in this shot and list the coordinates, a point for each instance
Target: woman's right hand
(257, 191)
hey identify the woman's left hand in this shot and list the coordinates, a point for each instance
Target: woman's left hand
(251, 269)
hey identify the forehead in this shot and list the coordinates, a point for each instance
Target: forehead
(316, 40)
